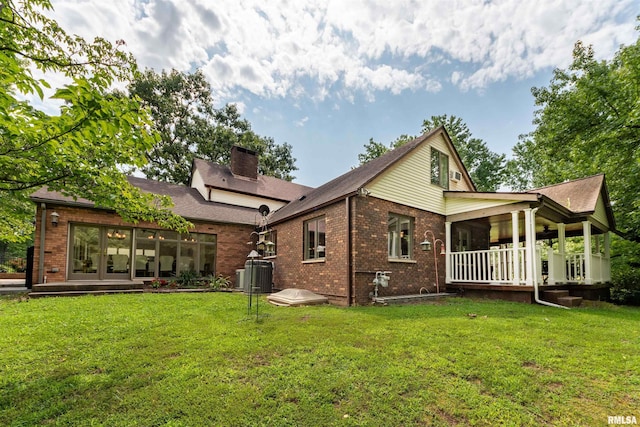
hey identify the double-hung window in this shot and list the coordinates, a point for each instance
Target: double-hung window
(400, 236)
(314, 239)
(439, 168)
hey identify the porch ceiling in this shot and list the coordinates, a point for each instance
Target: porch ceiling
(501, 228)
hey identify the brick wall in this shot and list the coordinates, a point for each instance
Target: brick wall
(232, 239)
(369, 253)
(370, 250)
(328, 277)
(244, 162)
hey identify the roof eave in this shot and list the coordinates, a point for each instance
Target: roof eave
(312, 208)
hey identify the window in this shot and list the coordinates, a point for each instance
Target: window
(162, 253)
(439, 169)
(314, 239)
(400, 236)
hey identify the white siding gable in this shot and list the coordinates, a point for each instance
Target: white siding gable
(600, 213)
(198, 183)
(408, 181)
(239, 199)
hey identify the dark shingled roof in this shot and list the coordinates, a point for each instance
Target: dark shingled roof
(220, 177)
(188, 202)
(349, 183)
(580, 196)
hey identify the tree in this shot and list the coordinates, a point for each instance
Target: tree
(79, 151)
(182, 109)
(588, 122)
(485, 167)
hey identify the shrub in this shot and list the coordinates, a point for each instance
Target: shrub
(218, 282)
(158, 283)
(625, 287)
(187, 279)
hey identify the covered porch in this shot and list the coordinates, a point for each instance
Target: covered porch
(557, 235)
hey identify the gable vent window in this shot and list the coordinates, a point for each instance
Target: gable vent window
(439, 168)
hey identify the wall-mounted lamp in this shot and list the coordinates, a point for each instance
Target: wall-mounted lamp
(363, 192)
(428, 245)
(55, 216)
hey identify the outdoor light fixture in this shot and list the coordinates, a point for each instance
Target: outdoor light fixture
(425, 245)
(428, 245)
(55, 216)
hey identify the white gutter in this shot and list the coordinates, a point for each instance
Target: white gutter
(536, 292)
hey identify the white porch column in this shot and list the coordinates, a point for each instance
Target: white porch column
(561, 239)
(515, 238)
(529, 246)
(447, 256)
(586, 231)
(562, 243)
(607, 257)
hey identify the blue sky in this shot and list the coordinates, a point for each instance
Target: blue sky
(325, 76)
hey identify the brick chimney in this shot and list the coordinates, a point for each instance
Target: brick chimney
(244, 162)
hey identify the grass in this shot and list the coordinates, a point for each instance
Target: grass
(197, 359)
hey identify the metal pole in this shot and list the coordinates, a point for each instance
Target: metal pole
(250, 288)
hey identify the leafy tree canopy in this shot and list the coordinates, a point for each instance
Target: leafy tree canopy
(79, 151)
(189, 126)
(485, 167)
(588, 122)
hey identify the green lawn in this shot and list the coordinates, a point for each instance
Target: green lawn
(197, 359)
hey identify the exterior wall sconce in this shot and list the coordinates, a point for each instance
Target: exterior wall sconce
(431, 244)
(363, 192)
(55, 217)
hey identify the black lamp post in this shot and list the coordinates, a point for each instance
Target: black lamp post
(252, 256)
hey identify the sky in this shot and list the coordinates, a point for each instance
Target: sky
(326, 76)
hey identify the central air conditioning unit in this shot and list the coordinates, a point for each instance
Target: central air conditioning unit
(455, 176)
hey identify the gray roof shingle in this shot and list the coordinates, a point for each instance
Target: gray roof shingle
(188, 202)
(220, 177)
(349, 183)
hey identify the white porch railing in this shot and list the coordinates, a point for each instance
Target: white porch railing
(496, 266)
(488, 266)
(571, 268)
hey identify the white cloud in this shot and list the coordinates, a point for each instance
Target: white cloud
(300, 123)
(323, 49)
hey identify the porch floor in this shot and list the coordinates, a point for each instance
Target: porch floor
(525, 293)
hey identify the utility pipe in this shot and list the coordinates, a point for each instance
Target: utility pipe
(349, 243)
(43, 221)
(535, 267)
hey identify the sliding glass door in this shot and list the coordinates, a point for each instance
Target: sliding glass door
(99, 253)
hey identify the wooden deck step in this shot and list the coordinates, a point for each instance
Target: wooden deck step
(554, 295)
(79, 293)
(568, 301)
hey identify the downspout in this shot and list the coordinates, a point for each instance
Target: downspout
(43, 221)
(536, 292)
(349, 269)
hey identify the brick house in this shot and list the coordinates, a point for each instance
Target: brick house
(91, 244)
(413, 212)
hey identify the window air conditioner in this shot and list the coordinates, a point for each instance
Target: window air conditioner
(455, 176)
